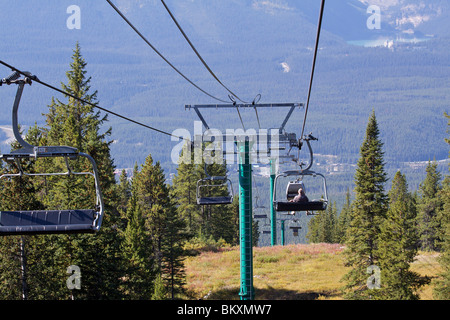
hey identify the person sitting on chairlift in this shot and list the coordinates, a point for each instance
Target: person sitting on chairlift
(301, 197)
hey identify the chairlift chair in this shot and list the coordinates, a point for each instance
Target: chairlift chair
(218, 185)
(47, 221)
(283, 205)
(295, 228)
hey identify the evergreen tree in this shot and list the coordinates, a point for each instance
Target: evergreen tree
(368, 211)
(185, 193)
(428, 206)
(322, 228)
(442, 288)
(163, 226)
(344, 219)
(153, 199)
(398, 245)
(172, 252)
(137, 249)
(76, 124)
(124, 191)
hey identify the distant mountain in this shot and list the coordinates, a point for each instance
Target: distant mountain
(255, 47)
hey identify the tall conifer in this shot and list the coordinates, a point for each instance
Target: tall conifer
(429, 206)
(398, 245)
(163, 226)
(78, 125)
(442, 289)
(368, 211)
(344, 218)
(137, 248)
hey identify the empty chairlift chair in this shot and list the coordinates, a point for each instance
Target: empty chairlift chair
(214, 190)
(47, 221)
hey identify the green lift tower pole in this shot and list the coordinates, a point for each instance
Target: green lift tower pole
(273, 216)
(245, 221)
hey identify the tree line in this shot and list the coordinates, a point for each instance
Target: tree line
(385, 230)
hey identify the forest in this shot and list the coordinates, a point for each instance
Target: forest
(151, 226)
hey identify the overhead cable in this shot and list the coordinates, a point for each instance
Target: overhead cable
(198, 54)
(159, 53)
(34, 78)
(319, 27)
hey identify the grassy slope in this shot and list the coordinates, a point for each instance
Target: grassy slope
(294, 272)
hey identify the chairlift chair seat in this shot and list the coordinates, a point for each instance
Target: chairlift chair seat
(47, 222)
(214, 200)
(260, 216)
(285, 206)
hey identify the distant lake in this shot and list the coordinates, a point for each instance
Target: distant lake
(385, 42)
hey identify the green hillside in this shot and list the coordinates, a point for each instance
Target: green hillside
(294, 272)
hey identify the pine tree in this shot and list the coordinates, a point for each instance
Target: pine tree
(164, 228)
(442, 288)
(429, 205)
(185, 193)
(137, 248)
(344, 219)
(172, 252)
(76, 124)
(322, 228)
(398, 245)
(153, 199)
(368, 212)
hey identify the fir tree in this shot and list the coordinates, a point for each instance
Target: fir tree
(442, 288)
(344, 219)
(137, 249)
(322, 228)
(185, 193)
(428, 206)
(216, 222)
(163, 226)
(172, 252)
(368, 211)
(398, 245)
(76, 124)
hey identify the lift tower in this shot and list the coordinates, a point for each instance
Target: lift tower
(245, 145)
